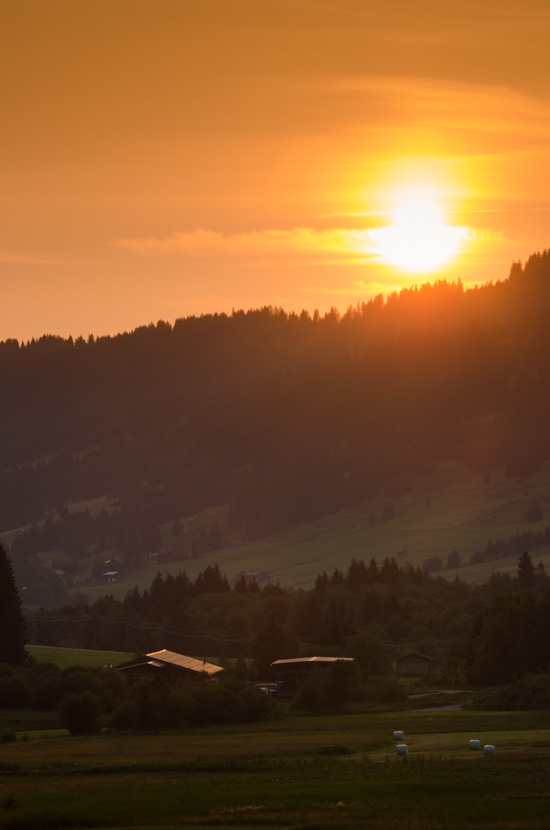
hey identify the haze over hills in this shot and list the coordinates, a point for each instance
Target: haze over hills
(282, 418)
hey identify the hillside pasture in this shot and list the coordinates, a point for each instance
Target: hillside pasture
(93, 505)
(451, 508)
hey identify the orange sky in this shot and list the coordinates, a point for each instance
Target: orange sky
(177, 157)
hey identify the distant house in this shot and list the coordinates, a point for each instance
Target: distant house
(109, 577)
(414, 664)
(289, 673)
(176, 669)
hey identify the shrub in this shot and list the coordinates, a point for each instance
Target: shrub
(453, 560)
(154, 705)
(328, 688)
(14, 692)
(369, 653)
(452, 673)
(432, 564)
(112, 689)
(80, 713)
(80, 679)
(532, 692)
(310, 697)
(124, 716)
(385, 689)
(258, 705)
(46, 685)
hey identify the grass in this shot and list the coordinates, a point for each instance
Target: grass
(65, 657)
(25, 722)
(449, 509)
(280, 775)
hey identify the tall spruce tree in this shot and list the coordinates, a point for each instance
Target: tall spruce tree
(12, 624)
(525, 569)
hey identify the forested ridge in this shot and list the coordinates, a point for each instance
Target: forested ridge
(285, 417)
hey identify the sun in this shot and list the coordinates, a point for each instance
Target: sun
(419, 238)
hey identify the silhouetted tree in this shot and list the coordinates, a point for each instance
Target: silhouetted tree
(270, 643)
(453, 560)
(12, 624)
(432, 564)
(525, 569)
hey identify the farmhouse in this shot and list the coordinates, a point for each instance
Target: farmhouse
(175, 669)
(289, 673)
(413, 664)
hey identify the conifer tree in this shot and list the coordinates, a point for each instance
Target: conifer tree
(12, 624)
(525, 569)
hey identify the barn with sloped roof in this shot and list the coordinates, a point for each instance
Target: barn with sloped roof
(414, 664)
(175, 669)
(290, 673)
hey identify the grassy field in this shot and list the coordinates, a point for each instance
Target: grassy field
(299, 772)
(449, 509)
(65, 657)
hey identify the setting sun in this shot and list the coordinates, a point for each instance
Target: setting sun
(419, 238)
(306, 154)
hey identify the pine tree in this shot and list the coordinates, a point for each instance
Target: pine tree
(12, 624)
(525, 569)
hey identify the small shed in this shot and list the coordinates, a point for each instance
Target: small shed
(176, 669)
(414, 664)
(289, 673)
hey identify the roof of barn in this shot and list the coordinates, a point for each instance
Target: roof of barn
(298, 660)
(164, 658)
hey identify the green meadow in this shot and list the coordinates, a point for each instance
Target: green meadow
(298, 772)
(65, 657)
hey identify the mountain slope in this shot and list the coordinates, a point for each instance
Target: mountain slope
(285, 418)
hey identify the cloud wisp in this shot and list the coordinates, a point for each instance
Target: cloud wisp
(203, 243)
(395, 244)
(15, 258)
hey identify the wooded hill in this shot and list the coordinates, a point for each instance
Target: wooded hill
(283, 417)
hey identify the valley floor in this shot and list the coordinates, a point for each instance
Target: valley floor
(299, 772)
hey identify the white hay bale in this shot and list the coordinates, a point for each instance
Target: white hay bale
(398, 736)
(475, 744)
(402, 749)
(488, 749)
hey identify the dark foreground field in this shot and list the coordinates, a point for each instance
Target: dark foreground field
(313, 773)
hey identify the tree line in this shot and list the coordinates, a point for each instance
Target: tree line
(370, 612)
(486, 634)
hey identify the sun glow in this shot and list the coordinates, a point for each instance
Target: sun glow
(419, 238)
